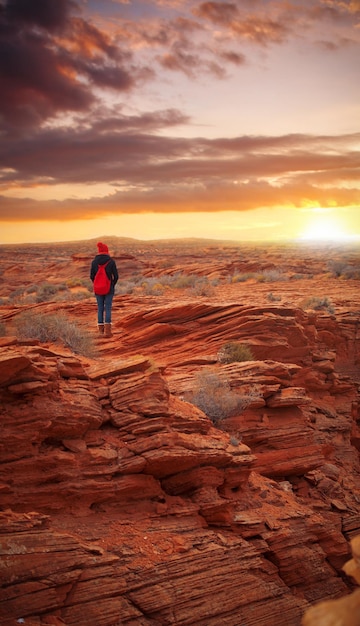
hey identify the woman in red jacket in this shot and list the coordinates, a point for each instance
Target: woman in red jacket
(104, 300)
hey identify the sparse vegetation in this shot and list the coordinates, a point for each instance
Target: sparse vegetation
(125, 287)
(317, 304)
(298, 276)
(271, 276)
(342, 269)
(52, 292)
(152, 287)
(351, 272)
(337, 267)
(202, 288)
(212, 394)
(157, 285)
(234, 351)
(272, 298)
(264, 276)
(241, 278)
(54, 328)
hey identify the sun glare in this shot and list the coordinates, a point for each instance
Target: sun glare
(324, 226)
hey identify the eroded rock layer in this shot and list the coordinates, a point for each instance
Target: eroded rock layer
(123, 503)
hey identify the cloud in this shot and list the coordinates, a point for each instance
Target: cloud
(55, 61)
(50, 60)
(150, 172)
(215, 198)
(249, 26)
(46, 14)
(60, 127)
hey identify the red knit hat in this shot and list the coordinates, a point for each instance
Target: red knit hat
(102, 247)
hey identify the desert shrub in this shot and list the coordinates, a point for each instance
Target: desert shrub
(166, 264)
(125, 287)
(300, 276)
(74, 282)
(241, 278)
(317, 304)
(337, 267)
(202, 288)
(272, 298)
(46, 292)
(271, 276)
(31, 289)
(350, 272)
(156, 285)
(234, 351)
(76, 296)
(16, 295)
(212, 394)
(152, 286)
(55, 328)
(184, 281)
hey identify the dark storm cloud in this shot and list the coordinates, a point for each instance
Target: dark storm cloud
(50, 59)
(47, 14)
(33, 83)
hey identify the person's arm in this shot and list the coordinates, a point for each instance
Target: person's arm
(115, 273)
(92, 271)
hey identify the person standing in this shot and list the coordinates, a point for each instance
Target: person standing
(104, 300)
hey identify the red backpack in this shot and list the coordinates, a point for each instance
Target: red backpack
(102, 282)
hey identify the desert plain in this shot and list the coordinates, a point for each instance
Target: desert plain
(122, 501)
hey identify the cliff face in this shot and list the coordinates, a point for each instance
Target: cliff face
(122, 503)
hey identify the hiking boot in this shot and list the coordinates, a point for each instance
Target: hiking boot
(101, 329)
(108, 332)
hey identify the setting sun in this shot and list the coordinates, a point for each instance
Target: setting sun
(323, 225)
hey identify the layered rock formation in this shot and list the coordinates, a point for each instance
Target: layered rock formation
(122, 503)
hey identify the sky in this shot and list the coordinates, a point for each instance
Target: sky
(178, 118)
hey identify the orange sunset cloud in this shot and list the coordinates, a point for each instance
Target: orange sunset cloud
(194, 109)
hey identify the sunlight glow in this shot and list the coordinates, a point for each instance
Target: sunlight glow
(324, 225)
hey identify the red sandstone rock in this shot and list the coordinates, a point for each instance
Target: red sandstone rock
(122, 502)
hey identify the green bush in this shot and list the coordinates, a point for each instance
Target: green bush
(212, 394)
(233, 352)
(54, 328)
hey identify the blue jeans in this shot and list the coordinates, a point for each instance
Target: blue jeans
(104, 304)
